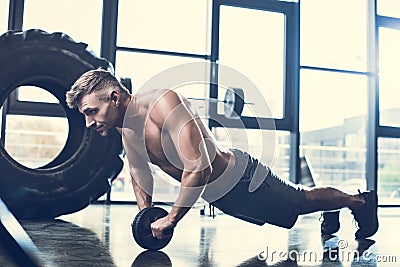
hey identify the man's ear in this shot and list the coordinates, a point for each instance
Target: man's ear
(115, 97)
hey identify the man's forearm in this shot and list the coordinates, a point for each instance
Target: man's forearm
(177, 213)
(192, 186)
(143, 199)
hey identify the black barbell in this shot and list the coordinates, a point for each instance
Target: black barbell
(233, 99)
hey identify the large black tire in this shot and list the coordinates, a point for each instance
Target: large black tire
(81, 172)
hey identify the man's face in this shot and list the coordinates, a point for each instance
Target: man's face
(100, 115)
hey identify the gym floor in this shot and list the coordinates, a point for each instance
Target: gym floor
(100, 235)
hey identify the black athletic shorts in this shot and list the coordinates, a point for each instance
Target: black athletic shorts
(268, 200)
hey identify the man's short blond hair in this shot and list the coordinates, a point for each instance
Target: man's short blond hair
(97, 81)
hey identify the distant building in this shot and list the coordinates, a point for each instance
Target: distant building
(338, 154)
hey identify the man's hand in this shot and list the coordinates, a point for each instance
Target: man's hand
(160, 227)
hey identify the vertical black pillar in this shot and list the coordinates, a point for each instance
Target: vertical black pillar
(109, 30)
(15, 14)
(15, 21)
(215, 18)
(371, 167)
(292, 88)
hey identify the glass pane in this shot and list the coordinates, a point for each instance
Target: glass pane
(333, 108)
(35, 94)
(121, 188)
(251, 140)
(174, 25)
(81, 20)
(389, 170)
(34, 141)
(389, 82)
(389, 8)
(3, 16)
(330, 42)
(141, 68)
(252, 43)
(165, 188)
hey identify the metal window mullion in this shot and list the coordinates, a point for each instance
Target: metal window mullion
(36, 109)
(161, 52)
(109, 30)
(108, 48)
(292, 90)
(15, 22)
(371, 167)
(388, 131)
(334, 70)
(214, 56)
(388, 22)
(267, 5)
(250, 123)
(16, 14)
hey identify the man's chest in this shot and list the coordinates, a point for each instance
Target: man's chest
(159, 145)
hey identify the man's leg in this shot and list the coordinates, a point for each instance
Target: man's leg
(330, 198)
(330, 222)
(363, 206)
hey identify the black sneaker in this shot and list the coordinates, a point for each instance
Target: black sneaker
(367, 215)
(330, 223)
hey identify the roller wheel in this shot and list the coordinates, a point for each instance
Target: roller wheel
(141, 229)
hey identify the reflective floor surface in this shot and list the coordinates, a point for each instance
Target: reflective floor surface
(100, 235)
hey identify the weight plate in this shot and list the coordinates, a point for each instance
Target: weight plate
(233, 102)
(142, 232)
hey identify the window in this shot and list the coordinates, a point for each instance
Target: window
(389, 8)
(174, 25)
(333, 109)
(252, 42)
(389, 170)
(259, 57)
(35, 94)
(270, 147)
(3, 15)
(34, 141)
(334, 34)
(389, 81)
(142, 67)
(81, 20)
(162, 31)
(165, 188)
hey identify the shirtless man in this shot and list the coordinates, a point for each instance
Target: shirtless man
(160, 127)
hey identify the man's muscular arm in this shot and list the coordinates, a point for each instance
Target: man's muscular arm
(175, 118)
(141, 176)
(143, 197)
